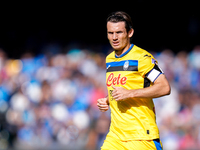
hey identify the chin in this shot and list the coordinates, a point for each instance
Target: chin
(117, 48)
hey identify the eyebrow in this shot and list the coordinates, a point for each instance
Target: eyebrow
(116, 31)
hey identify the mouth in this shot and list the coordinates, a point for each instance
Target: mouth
(115, 43)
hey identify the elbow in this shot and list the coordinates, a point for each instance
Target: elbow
(167, 90)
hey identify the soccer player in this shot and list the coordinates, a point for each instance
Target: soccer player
(133, 79)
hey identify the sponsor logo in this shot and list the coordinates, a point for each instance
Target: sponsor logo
(110, 92)
(112, 80)
(108, 67)
(147, 55)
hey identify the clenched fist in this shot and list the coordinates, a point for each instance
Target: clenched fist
(103, 104)
(120, 93)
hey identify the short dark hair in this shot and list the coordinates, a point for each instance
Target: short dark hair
(119, 16)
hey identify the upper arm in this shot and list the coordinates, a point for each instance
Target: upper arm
(148, 67)
(157, 77)
(163, 83)
(161, 79)
(154, 73)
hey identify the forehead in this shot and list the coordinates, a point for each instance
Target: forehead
(116, 26)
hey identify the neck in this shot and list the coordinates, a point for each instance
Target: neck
(120, 52)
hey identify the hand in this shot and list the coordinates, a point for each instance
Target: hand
(102, 104)
(120, 93)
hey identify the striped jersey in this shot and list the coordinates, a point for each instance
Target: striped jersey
(132, 119)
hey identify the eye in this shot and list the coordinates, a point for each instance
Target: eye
(119, 32)
(110, 32)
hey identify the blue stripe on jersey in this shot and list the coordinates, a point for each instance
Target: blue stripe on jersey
(121, 63)
(125, 52)
(157, 144)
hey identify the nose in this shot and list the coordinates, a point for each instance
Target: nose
(115, 37)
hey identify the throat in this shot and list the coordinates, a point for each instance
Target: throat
(120, 52)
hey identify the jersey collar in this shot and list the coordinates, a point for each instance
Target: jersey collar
(125, 52)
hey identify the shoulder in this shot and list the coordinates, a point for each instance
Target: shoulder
(110, 57)
(146, 61)
(141, 52)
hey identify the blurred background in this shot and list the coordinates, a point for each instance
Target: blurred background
(52, 71)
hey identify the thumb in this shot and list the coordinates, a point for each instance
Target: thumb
(114, 87)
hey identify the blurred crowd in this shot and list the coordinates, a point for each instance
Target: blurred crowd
(48, 101)
(178, 114)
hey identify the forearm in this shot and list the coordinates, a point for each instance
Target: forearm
(107, 101)
(160, 88)
(149, 92)
(157, 90)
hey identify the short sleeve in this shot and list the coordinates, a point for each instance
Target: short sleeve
(148, 67)
(146, 63)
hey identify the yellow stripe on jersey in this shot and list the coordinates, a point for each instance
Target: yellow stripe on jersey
(131, 119)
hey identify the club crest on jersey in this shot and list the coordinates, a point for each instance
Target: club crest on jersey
(126, 65)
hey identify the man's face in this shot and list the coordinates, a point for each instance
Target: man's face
(117, 35)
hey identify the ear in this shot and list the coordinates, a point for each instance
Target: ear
(130, 32)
